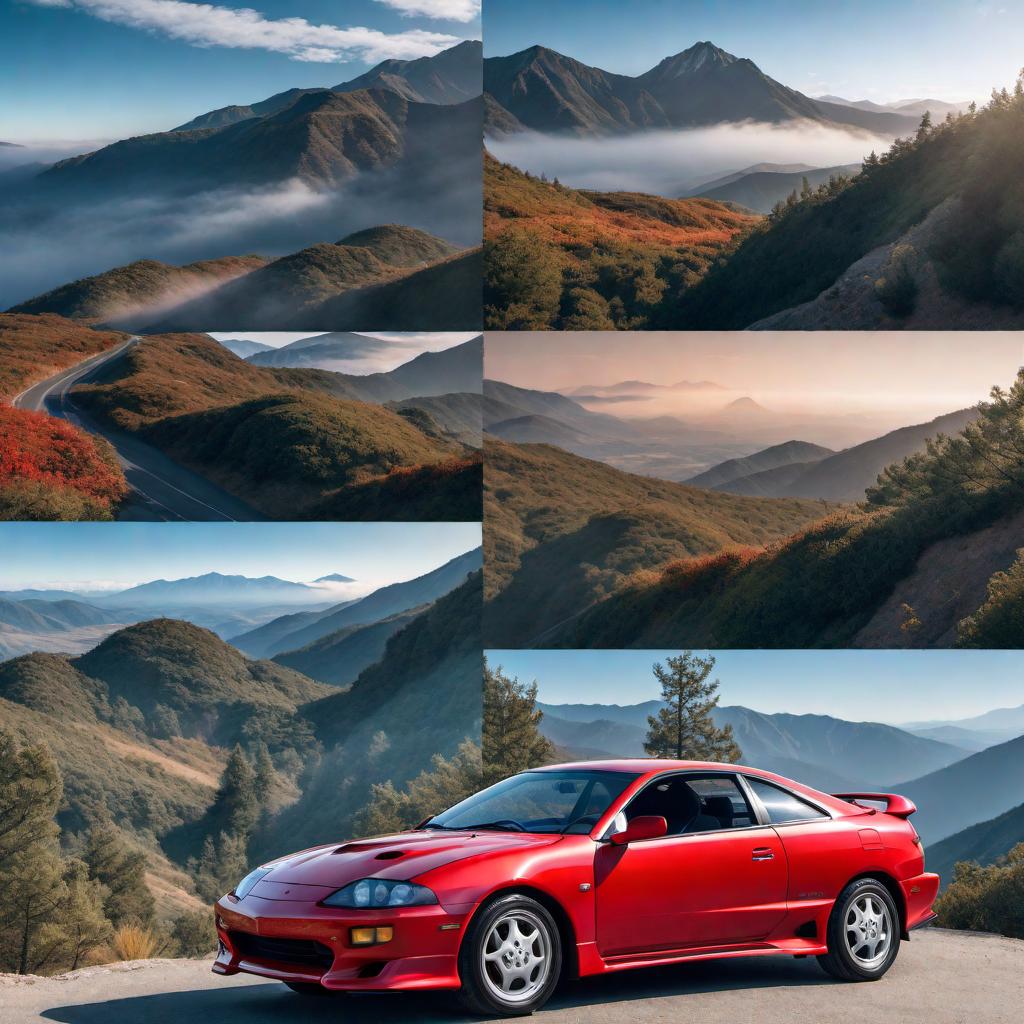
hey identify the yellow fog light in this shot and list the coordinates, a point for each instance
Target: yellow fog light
(371, 936)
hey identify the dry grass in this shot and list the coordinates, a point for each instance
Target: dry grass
(133, 942)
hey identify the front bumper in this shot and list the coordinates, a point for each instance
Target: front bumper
(919, 894)
(255, 935)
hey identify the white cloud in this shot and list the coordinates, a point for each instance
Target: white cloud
(448, 10)
(208, 25)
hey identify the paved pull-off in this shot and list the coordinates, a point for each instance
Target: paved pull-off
(940, 977)
(163, 489)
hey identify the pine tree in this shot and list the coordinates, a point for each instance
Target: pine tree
(925, 127)
(684, 729)
(30, 795)
(121, 869)
(33, 889)
(236, 807)
(80, 922)
(805, 189)
(511, 739)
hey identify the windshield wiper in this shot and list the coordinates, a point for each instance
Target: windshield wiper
(506, 825)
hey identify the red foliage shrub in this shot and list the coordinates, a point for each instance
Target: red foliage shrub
(37, 447)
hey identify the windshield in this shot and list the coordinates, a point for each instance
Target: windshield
(546, 802)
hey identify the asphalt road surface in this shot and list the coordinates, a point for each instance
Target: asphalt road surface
(162, 489)
(940, 977)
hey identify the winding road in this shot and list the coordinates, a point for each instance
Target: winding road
(162, 489)
(940, 977)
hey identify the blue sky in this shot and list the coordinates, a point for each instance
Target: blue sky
(78, 76)
(107, 555)
(881, 50)
(886, 686)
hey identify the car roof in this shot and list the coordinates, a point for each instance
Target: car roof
(650, 767)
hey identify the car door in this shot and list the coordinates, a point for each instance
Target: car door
(712, 881)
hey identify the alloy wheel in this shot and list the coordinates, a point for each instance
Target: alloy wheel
(516, 956)
(868, 930)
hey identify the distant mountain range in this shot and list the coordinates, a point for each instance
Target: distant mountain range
(834, 476)
(916, 108)
(761, 190)
(976, 789)
(789, 453)
(822, 751)
(214, 588)
(245, 347)
(449, 77)
(321, 136)
(296, 631)
(546, 91)
(334, 351)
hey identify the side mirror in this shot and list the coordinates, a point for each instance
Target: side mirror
(647, 826)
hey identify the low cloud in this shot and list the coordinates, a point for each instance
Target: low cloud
(670, 163)
(58, 243)
(444, 10)
(209, 25)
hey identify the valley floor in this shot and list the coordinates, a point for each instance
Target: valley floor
(940, 977)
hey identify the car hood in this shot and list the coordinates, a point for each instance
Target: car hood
(402, 857)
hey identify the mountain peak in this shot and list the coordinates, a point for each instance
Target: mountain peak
(699, 56)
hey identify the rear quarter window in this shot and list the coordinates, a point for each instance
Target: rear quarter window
(781, 805)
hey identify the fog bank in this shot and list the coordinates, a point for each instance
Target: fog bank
(669, 162)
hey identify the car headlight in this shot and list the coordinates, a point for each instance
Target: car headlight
(247, 884)
(369, 893)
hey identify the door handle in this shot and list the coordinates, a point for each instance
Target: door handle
(762, 853)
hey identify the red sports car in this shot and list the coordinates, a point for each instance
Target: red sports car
(589, 868)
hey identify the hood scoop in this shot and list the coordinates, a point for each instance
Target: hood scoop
(390, 855)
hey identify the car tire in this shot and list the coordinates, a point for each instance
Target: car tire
(510, 959)
(310, 988)
(863, 932)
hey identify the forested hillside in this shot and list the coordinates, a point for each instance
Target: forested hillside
(290, 442)
(562, 532)
(824, 585)
(563, 259)
(974, 160)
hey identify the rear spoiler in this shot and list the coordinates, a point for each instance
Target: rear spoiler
(898, 806)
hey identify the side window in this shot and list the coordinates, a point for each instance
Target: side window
(780, 805)
(720, 804)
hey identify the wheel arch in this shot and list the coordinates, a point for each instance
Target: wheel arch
(566, 929)
(892, 886)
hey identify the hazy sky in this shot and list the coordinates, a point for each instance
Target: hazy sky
(882, 50)
(105, 555)
(885, 686)
(832, 371)
(101, 69)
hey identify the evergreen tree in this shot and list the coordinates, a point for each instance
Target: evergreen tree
(684, 729)
(33, 890)
(236, 807)
(121, 869)
(80, 925)
(223, 862)
(511, 739)
(512, 743)
(30, 795)
(925, 127)
(805, 189)
(51, 913)
(448, 781)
